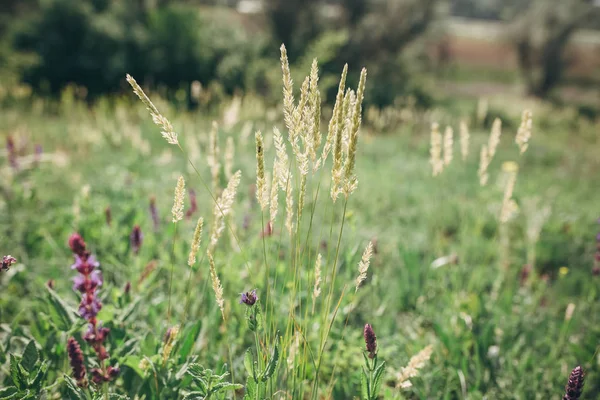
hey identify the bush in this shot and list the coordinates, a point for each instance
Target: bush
(95, 43)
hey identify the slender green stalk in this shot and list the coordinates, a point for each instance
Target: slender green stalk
(172, 270)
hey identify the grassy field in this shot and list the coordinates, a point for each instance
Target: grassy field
(444, 271)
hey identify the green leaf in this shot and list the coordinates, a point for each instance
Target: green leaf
(149, 345)
(36, 384)
(62, 315)
(16, 374)
(73, 389)
(190, 336)
(251, 388)
(223, 386)
(196, 370)
(249, 364)
(133, 362)
(30, 356)
(194, 396)
(271, 365)
(199, 374)
(364, 386)
(8, 393)
(378, 378)
(115, 396)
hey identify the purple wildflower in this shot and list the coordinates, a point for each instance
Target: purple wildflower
(370, 340)
(89, 307)
(7, 261)
(87, 282)
(575, 384)
(249, 298)
(76, 361)
(136, 239)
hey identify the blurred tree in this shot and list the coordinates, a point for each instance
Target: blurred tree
(293, 22)
(381, 37)
(94, 43)
(541, 36)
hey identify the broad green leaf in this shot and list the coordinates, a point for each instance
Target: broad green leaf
(149, 345)
(271, 365)
(378, 378)
(251, 388)
(194, 396)
(74, 390)
(223, 386)
(249, 364)
(364, 386)
(8, 393)
(15, 373)
(133, 362)
(62, 315)
(190, 335)
(36, 384)
(30, 356)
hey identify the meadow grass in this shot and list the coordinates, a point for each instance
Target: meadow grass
(432, 263)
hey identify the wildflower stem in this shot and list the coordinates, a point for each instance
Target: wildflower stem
(172, 269)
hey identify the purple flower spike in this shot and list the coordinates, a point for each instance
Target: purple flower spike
(575, 384)
(136, 239)
(370, 340)
(76, 361)
(249, 298)
(89, 307)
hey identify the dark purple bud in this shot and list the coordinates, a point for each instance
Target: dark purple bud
(76, 361)
(127, 287)
(575, 384)
(249, 298)
(7, 261)
(370, 340)
(113, 372)
(596, 270)
(50, 283)
(78, 246)
(136, 239)
(98, 377)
